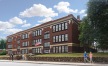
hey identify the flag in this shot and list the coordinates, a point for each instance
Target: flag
(38, 43)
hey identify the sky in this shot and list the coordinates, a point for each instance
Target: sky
(18, 15)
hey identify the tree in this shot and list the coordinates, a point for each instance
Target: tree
(98, 16)
(2, 44)
(85, 33)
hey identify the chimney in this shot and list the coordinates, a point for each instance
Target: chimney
(78, 17)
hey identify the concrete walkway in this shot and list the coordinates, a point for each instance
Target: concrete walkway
(56, 63)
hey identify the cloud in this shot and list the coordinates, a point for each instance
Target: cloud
(85, 15)
(45, 20)
(82, 11)
(5, 25)
(38, 10)
(26, 25)
(12, 31)
(64, 7)
(16, 20)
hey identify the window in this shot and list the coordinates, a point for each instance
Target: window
(66, 25)
(24, 36)
(53, 38)
(60, 27)
(53, 49)
(46, 51)
(54, 28)
(66, 37)
(59, 49)
(62, 49)
(36, 33)
(9, 39)
(46, 35)
(56, 49)
(25, 44)
(24, 51)
(10, 46)
(59, 38)
(40, 32)
(56, 38)
(62, 37)
(47, 44)
(66, 48)
(63, 26)
(57, 27)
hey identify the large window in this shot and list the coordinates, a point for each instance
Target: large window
(59, 38)
(66, 37)
(60, 49)
(46, 35)
(47, 44)
(36, 50)
(53, 38)
(63, 26)
(37, 32)
(24, 51)
(24, 36)
(66, 25)
(57, 26)
(9, 46)
(63, 38)
(9, 39)
(56, 38)
(53, 28)
(60, 26)
(24, 44)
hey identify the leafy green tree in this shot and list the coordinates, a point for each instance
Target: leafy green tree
(2, 44)
(85, 37)
(98, 16)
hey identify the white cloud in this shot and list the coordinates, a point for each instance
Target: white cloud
(82, 11)
(16, 21)
(64, 7)
(45, 20)
(38, 10)
(26, 25)
(12, 31)
(85, 15)
(5, 25)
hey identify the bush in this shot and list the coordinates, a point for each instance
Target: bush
(3, 52)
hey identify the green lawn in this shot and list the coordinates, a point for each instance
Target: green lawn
(72, 55)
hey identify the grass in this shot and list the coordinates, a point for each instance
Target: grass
(71, 55)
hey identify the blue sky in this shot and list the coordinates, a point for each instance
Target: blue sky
(18, 15)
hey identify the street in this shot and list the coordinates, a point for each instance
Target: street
(28, 64)
(44, 63)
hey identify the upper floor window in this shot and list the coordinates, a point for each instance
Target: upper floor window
(47, 44)
(46, 35)
(66, 37)
(24, 36)
(63, 26)
(9, 40)
(37, 32)
(66, 25)
(57, 26)
(60, 26)
(25, 43)
(9, 46)
(53, 38)
(54, 28)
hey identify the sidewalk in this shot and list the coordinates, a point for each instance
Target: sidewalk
(56, 63)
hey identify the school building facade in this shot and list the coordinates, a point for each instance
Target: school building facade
(57, 36)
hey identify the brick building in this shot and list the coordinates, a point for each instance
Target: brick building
(57, 36)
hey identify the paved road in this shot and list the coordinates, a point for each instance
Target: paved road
(43, 63)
